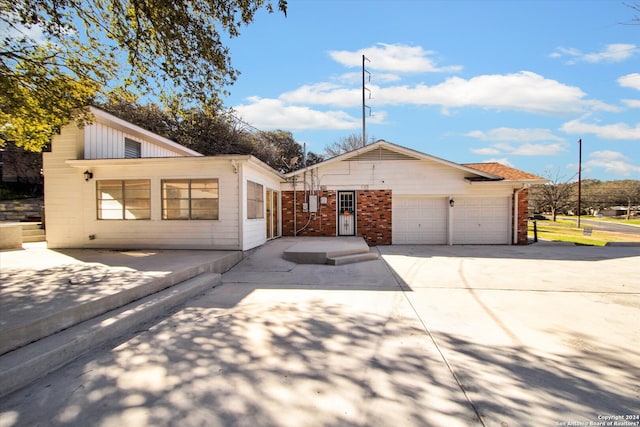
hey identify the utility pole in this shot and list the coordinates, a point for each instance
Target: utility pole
(579, 179)
(364, 105)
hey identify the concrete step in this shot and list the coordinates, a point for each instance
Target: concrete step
(318, 250)
(26, 364)
(32, 232)
(57, 316)
(352, 258)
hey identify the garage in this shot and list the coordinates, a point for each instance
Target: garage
(420, 220)
(481, 220)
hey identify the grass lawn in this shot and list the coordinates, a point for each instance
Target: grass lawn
(566, 231)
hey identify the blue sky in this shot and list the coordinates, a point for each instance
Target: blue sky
(518, 82)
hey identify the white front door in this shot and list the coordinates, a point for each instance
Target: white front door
(346, 213)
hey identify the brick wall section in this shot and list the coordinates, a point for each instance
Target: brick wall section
(523, 215)
(21, 210)
(373, 216)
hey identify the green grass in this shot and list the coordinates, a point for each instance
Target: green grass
(566, 231)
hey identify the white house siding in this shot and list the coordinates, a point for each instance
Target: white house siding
(63, 187)
(106, 142)
(222, 233)
(255, 230)
(70, 201)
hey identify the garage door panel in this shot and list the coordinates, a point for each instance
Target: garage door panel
(419, 220)
(482, 220)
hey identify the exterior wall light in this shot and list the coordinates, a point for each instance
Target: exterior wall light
(452, 202)
(88, 175)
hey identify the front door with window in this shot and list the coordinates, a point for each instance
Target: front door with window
(346, 213)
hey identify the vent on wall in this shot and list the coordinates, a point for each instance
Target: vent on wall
(131, 149)
(381, 153)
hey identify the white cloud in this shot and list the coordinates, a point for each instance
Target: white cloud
(612, 162)
(616, 131)
(356, 78)
(630, 80)
(514, 135)
(505, 137)
(487, 151)
(267, 113)
(632, 103)
(615, 52)
(523, 91)
(395, 58)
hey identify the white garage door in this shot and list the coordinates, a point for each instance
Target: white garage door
(482, 220)
(419, 220)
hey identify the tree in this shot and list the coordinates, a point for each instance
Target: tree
(344, 145)
(554, 195)
(172, 50)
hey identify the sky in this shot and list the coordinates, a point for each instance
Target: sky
(515, 82)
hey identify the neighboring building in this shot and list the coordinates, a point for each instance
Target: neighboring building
(390, 194)
(112, 184)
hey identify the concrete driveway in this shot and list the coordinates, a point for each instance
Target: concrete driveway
(426, 336)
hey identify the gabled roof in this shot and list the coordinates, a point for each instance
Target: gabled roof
(505, 172)
(127, 127)
(384, 150)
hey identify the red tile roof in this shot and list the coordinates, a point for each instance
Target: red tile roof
(503, 171)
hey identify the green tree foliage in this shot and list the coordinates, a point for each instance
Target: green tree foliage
(56, 56)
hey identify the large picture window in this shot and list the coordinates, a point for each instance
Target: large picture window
(123, 199)
(190, 199)
(255, 200)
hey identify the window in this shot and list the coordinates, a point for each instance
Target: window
(190, 199)
(131, 149)
(123, 199)
(255, 200)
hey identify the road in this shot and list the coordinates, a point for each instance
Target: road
(605, 225)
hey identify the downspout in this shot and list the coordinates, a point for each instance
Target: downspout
(241, 202)
(516, 213)
(295, 207)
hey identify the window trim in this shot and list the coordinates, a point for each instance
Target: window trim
(123, 201)
(190, 199)
(255, 205)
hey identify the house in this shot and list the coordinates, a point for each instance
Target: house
(111, 184)
(390, 194)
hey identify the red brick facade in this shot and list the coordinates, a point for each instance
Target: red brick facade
(373, 215)
(523, 215)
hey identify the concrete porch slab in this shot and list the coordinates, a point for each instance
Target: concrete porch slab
(318, 250)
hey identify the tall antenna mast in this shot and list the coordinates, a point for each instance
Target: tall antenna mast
(364, 105)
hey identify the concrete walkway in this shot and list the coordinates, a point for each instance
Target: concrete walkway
(425, 336)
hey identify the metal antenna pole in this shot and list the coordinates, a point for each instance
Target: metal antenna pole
(364, 106)
(579, 178)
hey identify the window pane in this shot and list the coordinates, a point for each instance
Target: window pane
(204, 209)
(137, 189)
(175, 189)
(204, 188)
(109, 190)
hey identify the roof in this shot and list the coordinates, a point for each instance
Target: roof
(111, 120)
(385, 150)
(505, 172)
